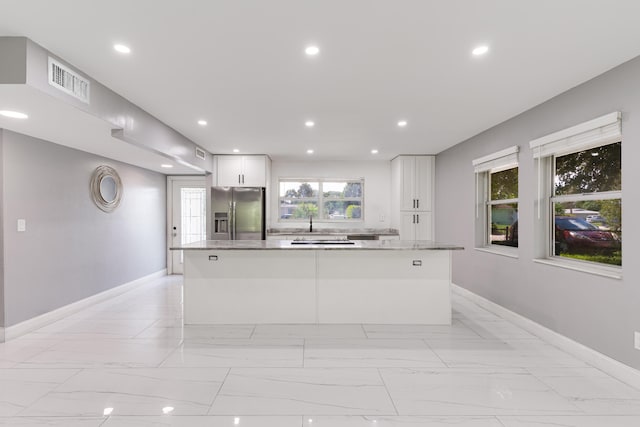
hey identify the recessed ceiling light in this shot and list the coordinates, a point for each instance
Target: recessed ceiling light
(309, 124)
(480, 50)
(402, 123)
(13, 114)
(595, 153)
(235, 150)
(374, 151)
(166, 166)
(202, 122)
(312, 50)
(309, 151)
(107, 411)
(167, 409)
(122, 48)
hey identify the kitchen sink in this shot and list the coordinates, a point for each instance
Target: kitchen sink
(363, 237)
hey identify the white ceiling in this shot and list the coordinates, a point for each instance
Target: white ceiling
(240, 64)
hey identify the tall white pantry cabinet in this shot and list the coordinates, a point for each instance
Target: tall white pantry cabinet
(412, 188)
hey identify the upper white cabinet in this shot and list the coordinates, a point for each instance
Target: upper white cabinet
(416, 182)
(412, 183)
(241, 171)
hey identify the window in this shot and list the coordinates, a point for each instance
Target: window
(322, 199)
(587, 205)
(584, 190)
(502, 207)
(497, 199)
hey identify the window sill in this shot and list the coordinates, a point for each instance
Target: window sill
(604, 271)
(504, 251)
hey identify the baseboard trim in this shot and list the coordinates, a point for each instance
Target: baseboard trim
(616, 369)
(37, 322)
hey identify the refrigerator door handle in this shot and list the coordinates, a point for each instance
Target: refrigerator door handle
(230, 223)
(233, 219)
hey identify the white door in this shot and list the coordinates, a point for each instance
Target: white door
(188, 216)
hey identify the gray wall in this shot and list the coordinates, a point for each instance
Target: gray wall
(598, 312)
(71, 249)
(2, 322)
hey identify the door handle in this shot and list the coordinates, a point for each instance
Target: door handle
(418, 219)
(239, 182)
(417, 203)
(243, 178)
(233, 214)
(230, 225)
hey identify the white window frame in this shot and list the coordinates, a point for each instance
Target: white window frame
(603, 130)
(320, 199)
(483, 167)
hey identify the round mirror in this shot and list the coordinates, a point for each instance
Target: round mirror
(106, 188)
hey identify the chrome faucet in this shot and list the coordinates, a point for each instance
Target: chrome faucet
(310, 223)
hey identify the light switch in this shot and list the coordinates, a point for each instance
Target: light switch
(22, 225)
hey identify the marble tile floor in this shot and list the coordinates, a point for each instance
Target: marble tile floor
(130, 361)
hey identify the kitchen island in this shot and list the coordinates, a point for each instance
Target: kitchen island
(284, 281)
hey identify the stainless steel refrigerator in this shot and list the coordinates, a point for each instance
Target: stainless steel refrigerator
(238, 213)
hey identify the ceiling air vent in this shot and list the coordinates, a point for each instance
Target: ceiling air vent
(200, 153)
(68, 81)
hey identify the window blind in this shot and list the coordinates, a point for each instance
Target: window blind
(593, 133)
(501, 160)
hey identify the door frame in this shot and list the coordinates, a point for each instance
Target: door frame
(171, 179)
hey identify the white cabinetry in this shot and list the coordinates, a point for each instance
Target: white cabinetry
(317, 286)
(415, 183)
(412, 201)
(241, 171)
(415, 225)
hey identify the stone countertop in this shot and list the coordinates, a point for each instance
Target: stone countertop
(395, 245)
(333, 231)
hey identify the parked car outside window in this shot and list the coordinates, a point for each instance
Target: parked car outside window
(578, 236)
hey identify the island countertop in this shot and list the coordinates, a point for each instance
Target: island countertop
(393, 245)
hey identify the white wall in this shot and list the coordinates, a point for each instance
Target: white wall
(377, 189)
